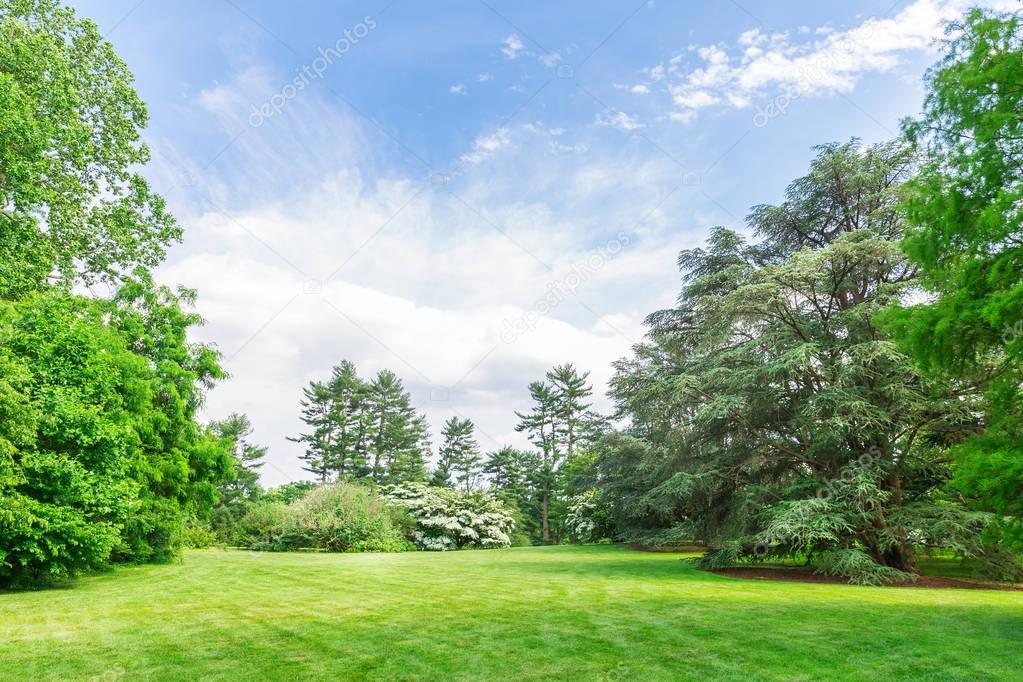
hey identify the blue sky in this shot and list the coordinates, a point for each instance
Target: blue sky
(470, 192)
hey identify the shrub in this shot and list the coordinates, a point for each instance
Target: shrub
(343, 517)
(261, 526)
(198, 535)
(587, 519)
(449, 519)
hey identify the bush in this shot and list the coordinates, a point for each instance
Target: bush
(198, 535)
(343, 517)
(261, 526)
(587, 519)
(449, 519)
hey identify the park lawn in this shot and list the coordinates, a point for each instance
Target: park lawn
(594, 613)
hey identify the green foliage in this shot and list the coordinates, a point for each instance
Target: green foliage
(235, 495)
(100, 456)
(860, 568)
(199, 535)
(966, 235)
(450, 519)
(558, 424)
(70, 143)
(777, 417)
(459, 456)
(289, 492)
(262, 525)
(363, 430)
(342, 517)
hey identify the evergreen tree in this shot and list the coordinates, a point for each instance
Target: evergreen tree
(398, 437)
(349, 397)
(542, 425)
(248, 458)
(779, 415)
(238, 493)
(511, 478)
(460, 455)
(575, 420)
(317, 413)
(507, 469)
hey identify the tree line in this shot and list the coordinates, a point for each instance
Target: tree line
(843, 386)
(370, 432)
(846, 386)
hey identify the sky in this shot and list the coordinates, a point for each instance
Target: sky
(471, 192)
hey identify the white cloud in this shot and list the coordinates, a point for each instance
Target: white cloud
(513, 47)
(355, 258)
(618, 119)
(818, 62)
(484, 77)
(640, 89)
(486, 145)
(551, 59)
(457, 89)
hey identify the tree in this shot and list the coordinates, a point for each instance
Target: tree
(317, 413)
(362, 430)
(100, 454)
(966, 236)
(791, 422)
(336, 411)
(399, 437)
(236, 494)
(507, 468)
(71, 199)
(459, 455)
(559, 421)
(236, 429)
(541, 425)
(575, 421)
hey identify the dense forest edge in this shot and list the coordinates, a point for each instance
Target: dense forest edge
(837, 385)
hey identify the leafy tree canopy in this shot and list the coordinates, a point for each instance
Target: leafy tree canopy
(965, 216)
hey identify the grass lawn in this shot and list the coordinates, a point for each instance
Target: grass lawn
(594, 613)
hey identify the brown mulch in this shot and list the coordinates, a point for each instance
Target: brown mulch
(806, 575)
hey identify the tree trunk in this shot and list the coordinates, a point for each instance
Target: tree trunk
(546, 513)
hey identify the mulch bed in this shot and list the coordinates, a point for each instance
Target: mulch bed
(806, 575)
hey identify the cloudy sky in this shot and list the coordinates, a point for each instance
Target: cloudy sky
(470, 192)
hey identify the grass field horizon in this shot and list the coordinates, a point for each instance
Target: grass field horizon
(593, 612)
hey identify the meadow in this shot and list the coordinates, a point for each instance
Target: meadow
(592, 612)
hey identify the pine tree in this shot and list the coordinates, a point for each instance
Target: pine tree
(236, 429)
(541, 425)
(317, 413)
(505, 468)
(348, 395)
(398, 436)
(509, 470)
(460, 454)
(575, 421)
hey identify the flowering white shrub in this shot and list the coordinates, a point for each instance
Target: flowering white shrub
(586, 519)
(449, 519)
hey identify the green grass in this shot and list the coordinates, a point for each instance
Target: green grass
(593, 613)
